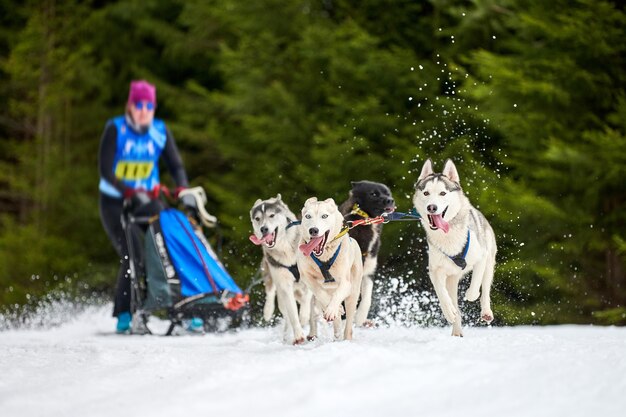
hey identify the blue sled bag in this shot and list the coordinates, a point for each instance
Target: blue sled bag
(182, 270)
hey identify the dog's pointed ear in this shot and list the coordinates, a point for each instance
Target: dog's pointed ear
(449, 170)
(257, 202)
(427, 170)
(330, 201)
(279, 197)
(310, 200)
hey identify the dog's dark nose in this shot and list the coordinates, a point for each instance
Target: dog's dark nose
(389, 201)
(314, 231)
(432, 208)
(264, 230)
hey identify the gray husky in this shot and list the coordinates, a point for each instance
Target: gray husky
(460, 240)
(276, 232)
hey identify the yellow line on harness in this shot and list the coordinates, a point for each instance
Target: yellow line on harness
(342, 233)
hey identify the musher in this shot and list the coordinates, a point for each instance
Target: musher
(130, 149)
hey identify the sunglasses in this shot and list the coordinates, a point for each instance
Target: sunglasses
(148, 105)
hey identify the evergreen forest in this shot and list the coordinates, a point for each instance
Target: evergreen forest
(301, 97)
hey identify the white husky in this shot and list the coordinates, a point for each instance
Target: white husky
(275, 229)
(330, 264)
(460, 240)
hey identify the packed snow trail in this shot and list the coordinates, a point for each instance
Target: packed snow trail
(82, 369)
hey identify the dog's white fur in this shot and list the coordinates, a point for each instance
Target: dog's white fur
(279, 282)
(461, 217)
(347, 270)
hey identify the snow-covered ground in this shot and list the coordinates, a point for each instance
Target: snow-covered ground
(81, 369)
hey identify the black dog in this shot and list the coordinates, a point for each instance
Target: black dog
(367, 199)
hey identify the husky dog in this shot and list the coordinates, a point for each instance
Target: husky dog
(330, 263)
(460, 240)
(275, 229)
(367, 199)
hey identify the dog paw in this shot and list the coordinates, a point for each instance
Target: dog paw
(472, 295)
(330, 315)
(298, 341)
(487, 316)
(333, 311)
(311, 338)
(368, 324)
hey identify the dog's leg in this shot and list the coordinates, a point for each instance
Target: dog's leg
(270, 294)
(478, 272)
(319, 293)
(438, 278)
(305, 305)
(367, 285)
(330, 305)
(287, 305)
(320, 315)
(313, 316)
(286, 323)
(270, 304)
(287, 331)
(452, 285)
(351, 302)
(485, 299)
(357, 280)
(332, 311)
(337, 328)
(321, 298)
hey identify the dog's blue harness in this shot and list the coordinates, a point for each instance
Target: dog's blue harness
(292, 268)
(459, 259)
(294, 223)
(325, 266)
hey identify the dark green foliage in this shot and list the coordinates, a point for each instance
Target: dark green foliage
(302, 97)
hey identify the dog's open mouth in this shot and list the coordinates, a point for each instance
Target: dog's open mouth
(315, 245)
(269, 239)
(437, 222)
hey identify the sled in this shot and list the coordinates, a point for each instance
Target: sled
(175, 271)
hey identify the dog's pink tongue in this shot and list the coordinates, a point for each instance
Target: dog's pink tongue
(441, 223)
(255, 240)
(258, 241)
(307, 248)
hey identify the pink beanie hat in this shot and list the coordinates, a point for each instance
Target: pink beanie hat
(141, 90)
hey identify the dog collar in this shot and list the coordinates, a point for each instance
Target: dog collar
(325, 266)
(356, 210)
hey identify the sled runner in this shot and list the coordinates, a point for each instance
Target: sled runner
(174, 269)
